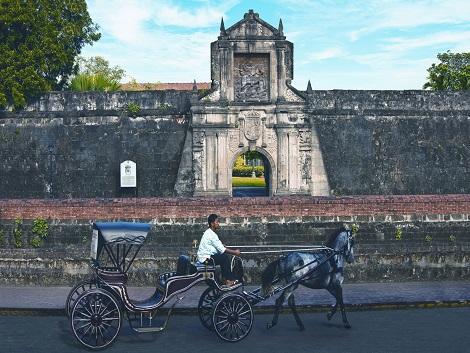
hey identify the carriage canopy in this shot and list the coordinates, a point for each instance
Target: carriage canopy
(118, 239)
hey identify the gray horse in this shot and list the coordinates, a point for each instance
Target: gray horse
(328, 274)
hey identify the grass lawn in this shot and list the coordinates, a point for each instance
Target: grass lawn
(248, 181)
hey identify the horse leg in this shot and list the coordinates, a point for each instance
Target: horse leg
(277, 307)
(339, 291)
(334, 307)
(291, 302)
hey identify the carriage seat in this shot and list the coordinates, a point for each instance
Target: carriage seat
(112, 277)
(184, 266)
(149, 302)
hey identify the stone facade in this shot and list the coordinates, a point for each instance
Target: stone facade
(253, 108)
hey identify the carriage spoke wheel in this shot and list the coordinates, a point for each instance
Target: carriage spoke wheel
(96, 319)
(206, 303)
(78, 289)
(232, 317)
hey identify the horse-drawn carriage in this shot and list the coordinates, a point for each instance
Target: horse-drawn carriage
(97, 306)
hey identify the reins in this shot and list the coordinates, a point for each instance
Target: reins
(283, 248)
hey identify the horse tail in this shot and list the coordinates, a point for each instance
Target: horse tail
(268, 275)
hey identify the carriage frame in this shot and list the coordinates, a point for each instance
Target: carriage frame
(97, 306)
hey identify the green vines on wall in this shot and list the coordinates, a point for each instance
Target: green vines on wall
(40, 231)
(18, 233)
(2, 237)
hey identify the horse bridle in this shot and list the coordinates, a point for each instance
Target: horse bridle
(349, 244)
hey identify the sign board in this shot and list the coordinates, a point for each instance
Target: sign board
(128, 174)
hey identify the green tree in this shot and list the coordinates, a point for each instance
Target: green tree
(39, 41)
(99, 65)
(453, 72)
(95, 74)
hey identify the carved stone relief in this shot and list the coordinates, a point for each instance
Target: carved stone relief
(305, 167)
(233, 137)
(251, 28)
(198, 139)
(253, 127)
(198, 162)
(271, 141)
(251, 77)
(305, 139)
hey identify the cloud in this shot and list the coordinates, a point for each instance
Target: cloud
(328, 53)
(434, 39)
(405, 14)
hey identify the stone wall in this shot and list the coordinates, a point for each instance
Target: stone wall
(70, 145)
(399, 237)
(394, 142)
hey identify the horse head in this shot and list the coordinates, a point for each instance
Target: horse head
(343, 245)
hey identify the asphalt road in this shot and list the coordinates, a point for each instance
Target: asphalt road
(416, 330)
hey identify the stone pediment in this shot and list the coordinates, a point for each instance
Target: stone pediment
(252, 26)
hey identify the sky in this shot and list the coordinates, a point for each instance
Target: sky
(354, 44)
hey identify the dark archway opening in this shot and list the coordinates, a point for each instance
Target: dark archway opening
(251, 174)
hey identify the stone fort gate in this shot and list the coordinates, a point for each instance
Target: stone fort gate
(253, 107)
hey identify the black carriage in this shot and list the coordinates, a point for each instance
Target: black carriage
(97, 306)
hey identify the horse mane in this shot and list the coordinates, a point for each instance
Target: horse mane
(332, 237)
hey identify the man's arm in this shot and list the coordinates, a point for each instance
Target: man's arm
(235, 252)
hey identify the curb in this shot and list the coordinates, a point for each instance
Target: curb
(268, 309)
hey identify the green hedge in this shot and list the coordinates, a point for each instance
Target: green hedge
(247, 171)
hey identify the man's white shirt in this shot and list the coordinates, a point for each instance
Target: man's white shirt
(210, 245)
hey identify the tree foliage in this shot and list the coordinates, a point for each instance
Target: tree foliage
(99, 65)
(39, 41)
(95, 74)
(453, 72)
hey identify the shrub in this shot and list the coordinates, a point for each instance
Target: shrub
(133, 109)
(245, 171)
(40, 230)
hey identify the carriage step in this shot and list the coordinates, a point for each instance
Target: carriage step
(149, 329)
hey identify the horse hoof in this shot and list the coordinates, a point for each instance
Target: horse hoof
(301, 328)
(347, 325)
(329, 316)
(269, 325)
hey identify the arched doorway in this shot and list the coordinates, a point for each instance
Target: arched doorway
(251, 174)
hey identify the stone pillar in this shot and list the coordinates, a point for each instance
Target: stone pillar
(222, 165)
(282, 161)
(224, 68)
(211, 161)
(293, 164)
(281, 71)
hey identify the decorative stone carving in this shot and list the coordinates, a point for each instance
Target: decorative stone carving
(290, 96)
(251, 28)
(198, 162)
(305, 137)
(305, 167)
(271, 141)
(233, 140)
(252, 122)
(251, 77)
(198, 138)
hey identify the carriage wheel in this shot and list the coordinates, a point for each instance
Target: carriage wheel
(232, 317)
(96, 319)
(206, 303)
(78, 289)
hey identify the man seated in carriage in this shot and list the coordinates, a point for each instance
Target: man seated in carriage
(211, 247)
